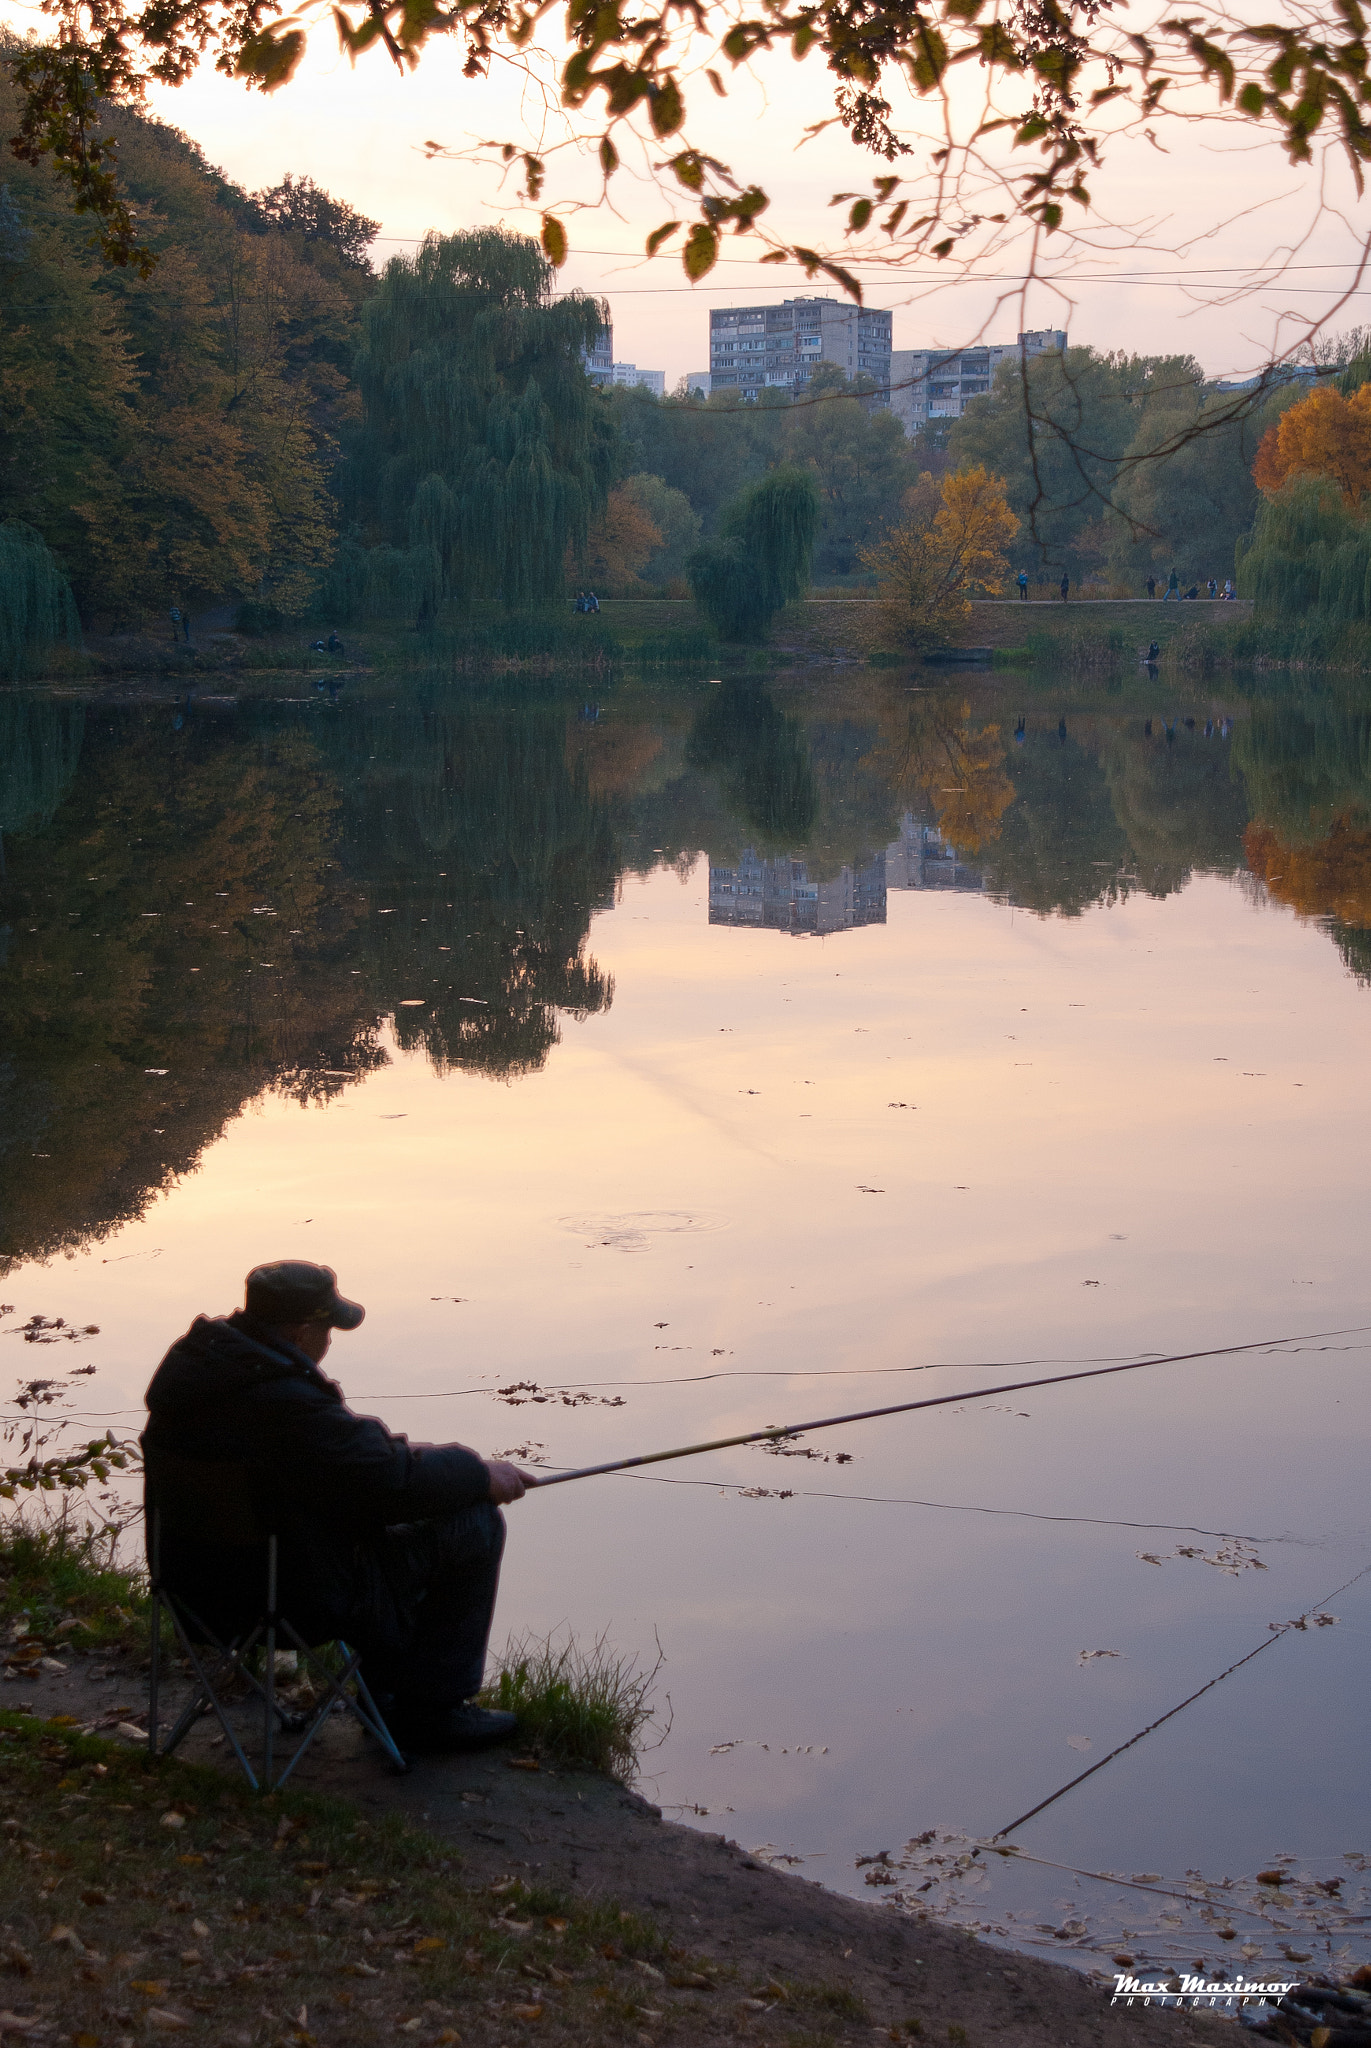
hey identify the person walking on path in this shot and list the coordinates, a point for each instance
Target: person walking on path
(1023, 585)
(1065, 585)
(1152, 586)
(393, 1547)
(175, 616)
(1173, 587)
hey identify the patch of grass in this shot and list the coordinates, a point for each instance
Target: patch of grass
(138, 1899)
(585, 1709)
(133, 1891)
(828, 1998)
(54, 1574)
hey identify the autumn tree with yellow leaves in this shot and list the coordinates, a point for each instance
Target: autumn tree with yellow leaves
(949, 545)
(1326, 434)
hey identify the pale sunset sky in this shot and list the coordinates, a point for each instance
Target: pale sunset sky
(1184, 221)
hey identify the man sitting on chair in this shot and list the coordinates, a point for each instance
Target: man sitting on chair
(390, 1546)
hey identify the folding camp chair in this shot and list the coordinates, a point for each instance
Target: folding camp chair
(219, 1661)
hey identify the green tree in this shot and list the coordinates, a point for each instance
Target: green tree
(1193, 507)
(1057, 429)
(36, 611)
(674, 517)
(486, 449)
(1310, 558)
(301, 208)
(859, 459)
(762, 558)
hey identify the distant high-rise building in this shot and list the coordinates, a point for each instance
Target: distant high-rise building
(753, 349)
(601, 367)
(934, 384)
(922, 859)
(648, 380)
(777, 895)
(698, 380)
(599, 357)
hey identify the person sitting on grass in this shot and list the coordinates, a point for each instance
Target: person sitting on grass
(390, 1546)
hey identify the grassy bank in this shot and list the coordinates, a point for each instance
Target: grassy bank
(668, 635)
(142, 1899)
(163, 1899)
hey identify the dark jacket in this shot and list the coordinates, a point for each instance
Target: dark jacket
(247, 1437)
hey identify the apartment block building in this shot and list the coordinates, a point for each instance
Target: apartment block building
(628, 374)
(753, 349)
(778, 895)
(935, 384)
(599, 357)
(601, 367)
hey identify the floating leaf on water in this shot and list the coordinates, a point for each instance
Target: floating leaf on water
(1089, 1656)
(1080, 1742)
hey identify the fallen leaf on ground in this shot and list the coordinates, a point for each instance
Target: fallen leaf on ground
(165, 2020)
(173, 1819)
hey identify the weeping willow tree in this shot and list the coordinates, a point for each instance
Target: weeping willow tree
(486, 449)
(1309, 558)
(40, 749)
(761, 558)
(36, 609)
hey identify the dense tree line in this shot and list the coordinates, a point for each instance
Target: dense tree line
(1119, 467)
(712, 450)
(170, 437)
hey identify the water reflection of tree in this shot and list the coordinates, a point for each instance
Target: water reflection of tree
(495, 854)
(140, 942)
(1307, 769)
(930, 750)
(1178, 803)
(1306, 765)
(762, 754)
(40, 745)
(207, 900)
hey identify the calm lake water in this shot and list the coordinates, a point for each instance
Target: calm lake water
(715, 1056)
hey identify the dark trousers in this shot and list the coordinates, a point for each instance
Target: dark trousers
(439, 1581)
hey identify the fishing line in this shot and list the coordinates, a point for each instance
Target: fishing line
(957, 1507)
(875, 1371)
(1278, 1631)
(1116, 1361)
(798, 1429)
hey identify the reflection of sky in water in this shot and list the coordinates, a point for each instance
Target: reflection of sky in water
(1143, 1128)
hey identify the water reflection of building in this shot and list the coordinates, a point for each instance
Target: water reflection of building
(922, 859)
(779, 896)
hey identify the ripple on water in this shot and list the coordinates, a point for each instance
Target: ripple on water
(635, 1229)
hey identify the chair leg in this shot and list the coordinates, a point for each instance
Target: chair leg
(363, 1708)
(232, 1658)
(154, 1669)
(269, 1716)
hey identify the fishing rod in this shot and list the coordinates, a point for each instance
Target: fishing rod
(780, 1432)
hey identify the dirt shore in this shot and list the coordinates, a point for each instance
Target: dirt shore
(602, 1842)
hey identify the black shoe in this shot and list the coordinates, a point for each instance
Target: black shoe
(452, 1729)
